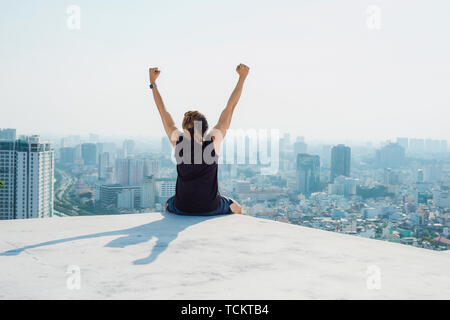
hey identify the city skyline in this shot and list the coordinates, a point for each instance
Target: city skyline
(317, 70)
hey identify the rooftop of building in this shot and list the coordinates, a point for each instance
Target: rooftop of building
(164, 256)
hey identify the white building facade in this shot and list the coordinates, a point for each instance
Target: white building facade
(27, 168)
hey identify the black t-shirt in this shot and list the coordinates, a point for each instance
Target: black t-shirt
(197, 189)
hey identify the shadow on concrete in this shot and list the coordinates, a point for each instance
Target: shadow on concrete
(164, 230)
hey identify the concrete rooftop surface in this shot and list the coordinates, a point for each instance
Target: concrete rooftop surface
(164, 256)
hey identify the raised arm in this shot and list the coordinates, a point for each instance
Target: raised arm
(168, 123)
(225, 117)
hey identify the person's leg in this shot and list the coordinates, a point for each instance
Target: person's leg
(169, 205)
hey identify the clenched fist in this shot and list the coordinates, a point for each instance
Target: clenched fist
(242, 70)
(154, 73)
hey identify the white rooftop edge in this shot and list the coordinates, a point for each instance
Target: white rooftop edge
(162, 256)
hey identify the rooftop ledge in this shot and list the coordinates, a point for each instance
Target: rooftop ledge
(163, 256)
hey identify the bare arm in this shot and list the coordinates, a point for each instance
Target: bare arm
(220, 129)
(168, 123)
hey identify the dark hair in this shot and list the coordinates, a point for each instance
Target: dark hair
(188, 123)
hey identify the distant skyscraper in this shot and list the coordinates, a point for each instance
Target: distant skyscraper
(129, 172)
(433, 146)
(416, 146)
(151, 167)
(308, 173)
(148, 192)
(300, 146)
(27, 168)
(103, 164)
(340, 161)
(390, 177)
(89, 154)
(419, 175)
(325, 155)
(390, 156)
(433, 173)
(8, 134)
(285, 142)
(404, 142)
(66, 155)
(128, 147)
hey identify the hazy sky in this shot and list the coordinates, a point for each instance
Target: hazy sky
(317, 69)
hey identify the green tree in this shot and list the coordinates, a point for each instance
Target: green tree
(2, 183)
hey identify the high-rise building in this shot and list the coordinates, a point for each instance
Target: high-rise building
(67, 155)
(441, 197)
(325, 155)
(128, 147)
(433, 172)
(392, 156)
(148, 192)
(416, 146)
(340, 161)
(403, 142)
(151, 167)
(166, 188)
(103, 164)
(27, 168)
(420, 175)
(129, 172)
(308, 173)
(8, 134)
(89, 154)
(285, 142)
(300, 146)
(390, 177)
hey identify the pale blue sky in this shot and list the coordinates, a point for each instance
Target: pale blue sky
(316, 69)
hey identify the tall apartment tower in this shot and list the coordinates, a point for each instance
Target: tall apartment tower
(308, 173)
(27, 168)
(148, 192)
(340, 161)
(390, 156)
(89, 153)
(103, 165)
(128, 147)
(129, 172)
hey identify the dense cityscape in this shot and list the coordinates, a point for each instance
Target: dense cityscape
(395, 190)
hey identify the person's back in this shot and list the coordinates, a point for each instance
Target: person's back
(197, 190)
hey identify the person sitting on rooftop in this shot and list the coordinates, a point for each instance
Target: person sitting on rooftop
(197, 152)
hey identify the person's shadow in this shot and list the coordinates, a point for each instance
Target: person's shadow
(164, 230)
